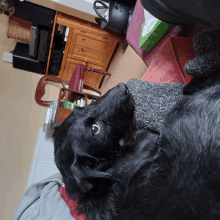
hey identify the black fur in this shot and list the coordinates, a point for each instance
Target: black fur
(206, 45)
(199, 83)
(174, 175)
(205, 67)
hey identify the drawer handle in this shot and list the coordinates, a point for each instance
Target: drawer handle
(83, 31)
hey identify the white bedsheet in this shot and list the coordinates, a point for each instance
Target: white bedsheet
(43, 165)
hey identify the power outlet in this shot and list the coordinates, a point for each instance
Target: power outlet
(7, 57)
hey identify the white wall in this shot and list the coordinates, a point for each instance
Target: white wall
(81, 5)
(55, 5)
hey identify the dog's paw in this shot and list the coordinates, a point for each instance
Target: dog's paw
(204, 65)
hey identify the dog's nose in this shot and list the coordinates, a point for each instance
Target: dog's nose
(123, 88)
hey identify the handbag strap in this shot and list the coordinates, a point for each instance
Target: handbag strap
(40, 90)
(97, 12)
(97, 71)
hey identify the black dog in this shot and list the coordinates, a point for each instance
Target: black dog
(172, 176)
(199, 83)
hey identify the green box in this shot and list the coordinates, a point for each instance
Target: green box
(158, 31)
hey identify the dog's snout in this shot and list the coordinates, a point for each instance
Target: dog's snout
(123, 88)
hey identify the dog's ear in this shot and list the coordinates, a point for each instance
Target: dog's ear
(88, 177)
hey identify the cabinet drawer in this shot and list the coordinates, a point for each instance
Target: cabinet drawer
(91, 79)
(90, 48)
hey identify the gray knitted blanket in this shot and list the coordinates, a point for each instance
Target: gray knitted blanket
(153, 101)
(42, 201)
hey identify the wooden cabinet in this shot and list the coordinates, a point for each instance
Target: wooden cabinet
(88, 44)
(88, 47)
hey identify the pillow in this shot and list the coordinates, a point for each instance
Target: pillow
(153, 101)
(167, 65)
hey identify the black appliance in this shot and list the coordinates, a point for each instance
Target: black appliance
(22, 60)
(55, 63)
(57, 53)
(35, 13)
(130, 3)
(44, 45)
(117, 17)
(33, 46)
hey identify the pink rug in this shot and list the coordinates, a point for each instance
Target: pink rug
(134, 30)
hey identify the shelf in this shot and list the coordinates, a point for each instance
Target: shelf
(62, 114)
(71, 95)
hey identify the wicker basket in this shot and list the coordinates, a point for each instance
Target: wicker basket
(19, 29)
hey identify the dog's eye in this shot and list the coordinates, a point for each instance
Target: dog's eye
(95, 128)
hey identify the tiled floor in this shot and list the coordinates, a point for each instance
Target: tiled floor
(21, 117)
